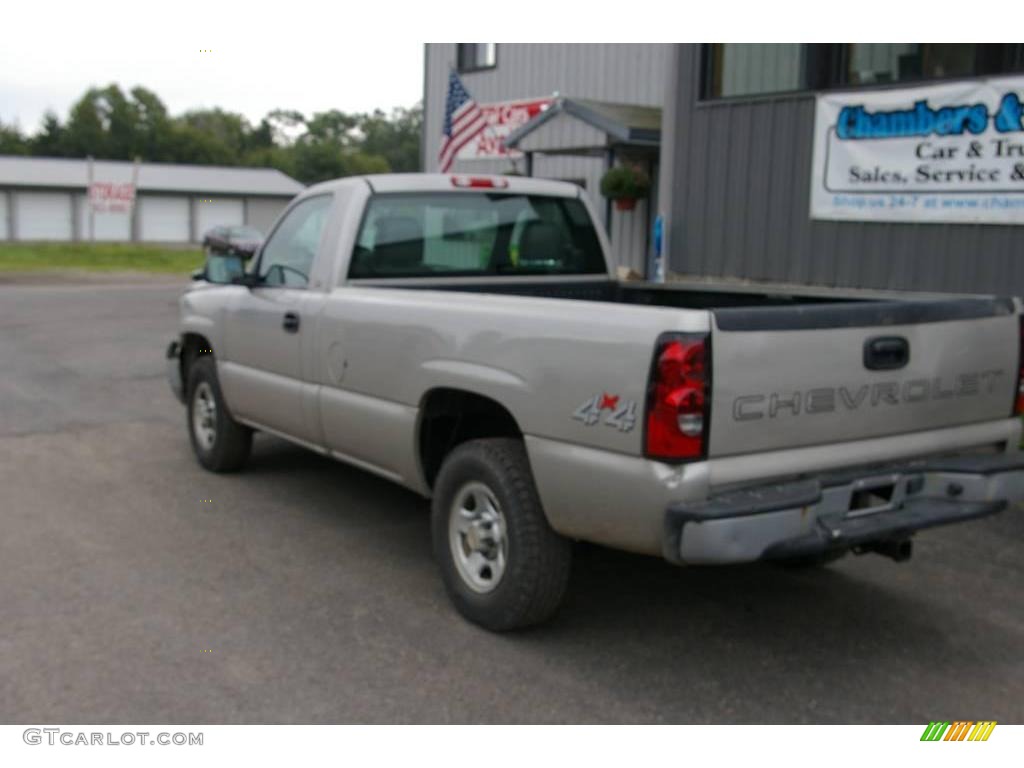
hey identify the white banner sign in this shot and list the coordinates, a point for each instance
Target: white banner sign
(110, 197)
(502, 117)
(950, 152)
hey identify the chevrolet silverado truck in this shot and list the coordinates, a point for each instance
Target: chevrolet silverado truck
(466, 337)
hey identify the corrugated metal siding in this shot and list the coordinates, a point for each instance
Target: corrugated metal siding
(627, 73)
(630, 73)
(737, 205)
(629, 236)
(563, 132)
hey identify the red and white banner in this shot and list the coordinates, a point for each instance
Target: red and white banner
(502, 117)
(111, 197)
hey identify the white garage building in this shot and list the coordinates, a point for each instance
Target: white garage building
(46, 199)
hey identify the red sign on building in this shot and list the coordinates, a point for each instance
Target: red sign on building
(502, 117)
(109, 197)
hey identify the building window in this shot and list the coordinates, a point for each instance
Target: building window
(473, 56)
(870, 63)
(738, 69)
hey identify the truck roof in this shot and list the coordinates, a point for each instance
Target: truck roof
(451, 182)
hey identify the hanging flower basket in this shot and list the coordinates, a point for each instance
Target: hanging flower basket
(625, 184)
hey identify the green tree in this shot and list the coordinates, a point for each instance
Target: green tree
(189, 144)
(332, 127)
(86, 129)
(51, 141)
(395, 137)
(285, 124)
(108, 123)
(153, 126)
(11, 141)
(228, 129)
(261, 137)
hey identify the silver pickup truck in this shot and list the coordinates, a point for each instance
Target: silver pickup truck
(466, 338)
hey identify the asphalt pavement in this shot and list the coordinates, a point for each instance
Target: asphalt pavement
(137, 588)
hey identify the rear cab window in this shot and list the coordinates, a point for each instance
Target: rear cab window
(471, 234)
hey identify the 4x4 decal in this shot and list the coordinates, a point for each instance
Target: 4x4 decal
(621, 414)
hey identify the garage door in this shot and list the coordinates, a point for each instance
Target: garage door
(4, 229)
(43, 216)
(263, 212)
(107, 227)
(218, 212)
(163, 219)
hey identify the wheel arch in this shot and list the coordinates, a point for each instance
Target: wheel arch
(450, 416)
(193, 346)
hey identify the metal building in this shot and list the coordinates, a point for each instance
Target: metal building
(593, 97)
(754, 176)
(737, 158)
(47, 199)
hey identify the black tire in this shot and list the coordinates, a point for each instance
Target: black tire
(232, 441)
(536, 570)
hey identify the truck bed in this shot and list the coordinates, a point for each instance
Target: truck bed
(676, 295)
(746, 308)
(792, 369)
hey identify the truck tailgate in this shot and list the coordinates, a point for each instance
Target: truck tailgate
(785, 377)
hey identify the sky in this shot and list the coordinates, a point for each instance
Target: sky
(254, 65)
(353, 55)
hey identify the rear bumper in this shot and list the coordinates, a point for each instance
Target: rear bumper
(173, 363)
(840, 511)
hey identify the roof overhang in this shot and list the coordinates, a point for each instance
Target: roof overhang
(159, 178)
(556, 130)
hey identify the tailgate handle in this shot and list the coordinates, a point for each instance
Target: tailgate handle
(886, 353)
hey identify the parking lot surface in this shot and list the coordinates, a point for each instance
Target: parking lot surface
(137, 588)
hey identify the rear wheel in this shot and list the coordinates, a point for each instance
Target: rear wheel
(502, 564)
(220, 443)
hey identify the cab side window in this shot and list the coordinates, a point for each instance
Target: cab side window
(287, 257)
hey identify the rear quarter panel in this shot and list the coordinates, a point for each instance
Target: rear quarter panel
(543, 359)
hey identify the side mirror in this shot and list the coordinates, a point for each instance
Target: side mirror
(199, 274)
(249, 279)
(222, 270)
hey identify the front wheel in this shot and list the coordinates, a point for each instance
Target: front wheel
(220, 443)
(502, 564)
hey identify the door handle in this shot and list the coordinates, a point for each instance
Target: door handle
(886, 353)
(290, 322)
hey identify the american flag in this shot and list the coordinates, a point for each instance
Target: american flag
(462, 121)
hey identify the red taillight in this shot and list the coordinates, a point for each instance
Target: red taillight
(1018, 400)
(678, 404)
(479, 182)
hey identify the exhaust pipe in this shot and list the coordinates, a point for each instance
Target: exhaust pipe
(896, 549)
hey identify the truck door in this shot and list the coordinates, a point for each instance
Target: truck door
(265, 329)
